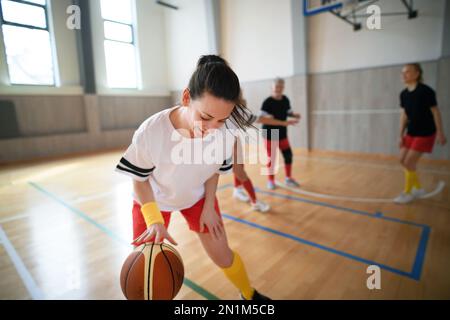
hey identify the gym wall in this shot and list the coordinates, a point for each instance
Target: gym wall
(352, 100)
(187, 39)
(355, 77)
(266, 45)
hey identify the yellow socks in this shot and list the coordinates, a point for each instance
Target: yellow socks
(415, 180)
(408, 182)
(238, 276)
(411, 181)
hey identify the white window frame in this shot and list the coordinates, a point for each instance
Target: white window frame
(133, 26)
(46, 8)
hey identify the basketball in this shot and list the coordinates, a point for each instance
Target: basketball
(152, 272)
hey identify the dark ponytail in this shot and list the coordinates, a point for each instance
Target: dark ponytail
(214, 76)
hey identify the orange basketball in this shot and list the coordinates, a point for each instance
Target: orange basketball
(152, 272)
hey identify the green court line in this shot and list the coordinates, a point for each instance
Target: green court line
(189, 283)
(208, 295)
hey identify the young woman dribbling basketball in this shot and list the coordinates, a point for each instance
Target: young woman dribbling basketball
(162, 185)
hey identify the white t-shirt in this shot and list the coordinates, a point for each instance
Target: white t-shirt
(176, 167)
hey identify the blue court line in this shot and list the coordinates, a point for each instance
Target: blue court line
(419, 260)
(316, 245)
(420, 254)
(189, 283)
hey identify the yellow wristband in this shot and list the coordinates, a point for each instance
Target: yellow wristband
(151, 214)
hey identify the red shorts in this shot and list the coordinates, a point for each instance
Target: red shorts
(192, 216)
(419, 143)
(283, 144)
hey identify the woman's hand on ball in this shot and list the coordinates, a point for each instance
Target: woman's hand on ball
(156, 230)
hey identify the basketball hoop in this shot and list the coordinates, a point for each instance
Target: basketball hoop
(348, 6)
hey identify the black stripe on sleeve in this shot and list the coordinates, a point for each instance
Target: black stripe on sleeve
(226, 168)
(133, 172)
(126, 163)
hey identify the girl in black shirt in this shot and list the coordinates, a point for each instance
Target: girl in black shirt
(421, 120)
(274, 116)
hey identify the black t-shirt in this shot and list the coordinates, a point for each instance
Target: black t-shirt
(417, 105)
(278, 109)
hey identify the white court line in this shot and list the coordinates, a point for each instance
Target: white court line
(439, 188)
(15, 217)
(27, 279)
(370, 165)
(436, 191)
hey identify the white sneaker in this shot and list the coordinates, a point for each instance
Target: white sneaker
(240, 194)
(404, 198)
(418, 193)
(271, 185)
(291, 183)
(260, 206)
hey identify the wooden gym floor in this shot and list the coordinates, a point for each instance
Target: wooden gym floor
(65, 228)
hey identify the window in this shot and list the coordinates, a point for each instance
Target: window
(27, 42)
(119, 43)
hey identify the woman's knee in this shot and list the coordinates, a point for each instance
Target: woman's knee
(223, 258)
(411, 167)
(240, 172)
(410, 164)
(218, 250)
